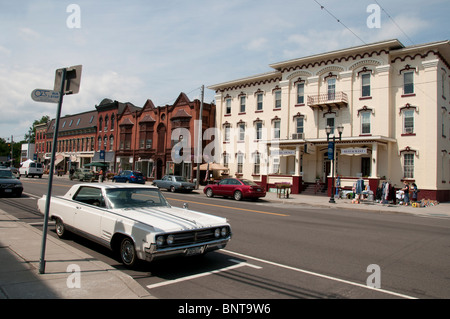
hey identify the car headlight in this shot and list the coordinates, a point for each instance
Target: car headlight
(217, 233)
(160, 240)
(17, 185)
(224, 232)
(170, 239)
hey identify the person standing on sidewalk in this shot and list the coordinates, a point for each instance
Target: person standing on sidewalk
(405, 190)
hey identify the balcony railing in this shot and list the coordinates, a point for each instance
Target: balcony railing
(337, 99)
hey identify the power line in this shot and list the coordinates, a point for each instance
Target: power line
(395, 23)
(339, 21)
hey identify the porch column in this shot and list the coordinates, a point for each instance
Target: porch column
(297, 161)
(374, 170)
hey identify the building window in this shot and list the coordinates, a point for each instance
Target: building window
(226, 159)
(227, 133)
(259, 127)
(276, 165)
(241, 132)
(111, 143)
(242, 104)
(149, 143)
(100, 124)
(331, 89)
(365, 89)
(106, 123)
(408, 83)
(259, 102)
(278, 99)
(257, 164)
(330, 123)
(276, 129)
(408, 122)
(299, 121)
(228, 106)
(365, 123)
(408, 165)
(112, 122)
(240, 163)
(300, 93)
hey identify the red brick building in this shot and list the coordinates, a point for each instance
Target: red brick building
(132, 137)
(145, 136)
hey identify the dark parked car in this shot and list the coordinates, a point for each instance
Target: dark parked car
(236, 188)
(83, 174)
(174, 183)
(129, 177)
(9, 184)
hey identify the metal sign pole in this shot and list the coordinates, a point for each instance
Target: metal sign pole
(50, 177)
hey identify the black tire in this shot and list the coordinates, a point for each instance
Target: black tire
(237, 195)
(61, 230)
(209, 192)
(127, 252)
(172, 189)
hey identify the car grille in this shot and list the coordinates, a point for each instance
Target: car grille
(193, 237)
(7, 185)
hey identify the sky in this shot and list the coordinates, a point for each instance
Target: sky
(136, 50)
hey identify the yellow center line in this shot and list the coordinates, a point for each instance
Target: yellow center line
(229, 207)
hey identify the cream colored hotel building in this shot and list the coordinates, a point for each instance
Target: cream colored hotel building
(391, 102)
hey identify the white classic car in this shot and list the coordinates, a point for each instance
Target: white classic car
(136, 221)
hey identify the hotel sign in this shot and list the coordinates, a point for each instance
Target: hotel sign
(353, 151)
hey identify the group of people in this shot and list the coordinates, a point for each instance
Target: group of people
(410, 193)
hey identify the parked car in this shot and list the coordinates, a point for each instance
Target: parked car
(236, 188)
(129, 177)
(174, 183)
(31, 168)
(135, 221)
(83, 174)
(9, 184)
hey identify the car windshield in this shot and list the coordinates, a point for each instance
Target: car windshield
(6, 174)
(180, 179)
(135, 197)
(248, 182)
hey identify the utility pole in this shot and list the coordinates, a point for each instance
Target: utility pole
(199, 139)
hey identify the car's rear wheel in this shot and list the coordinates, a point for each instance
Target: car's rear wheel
(61, 230)
(172, 189)
(209, 192)
(128, 252)
(237, 195)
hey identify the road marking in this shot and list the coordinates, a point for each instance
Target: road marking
(229, 207)
(170, 282)
(320, 275)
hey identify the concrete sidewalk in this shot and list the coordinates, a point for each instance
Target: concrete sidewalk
(66, 269)
(442, 210)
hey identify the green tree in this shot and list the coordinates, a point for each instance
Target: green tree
(31, 135)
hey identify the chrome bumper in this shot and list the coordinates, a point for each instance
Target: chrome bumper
(153, 252)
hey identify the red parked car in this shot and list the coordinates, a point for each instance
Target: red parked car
(236, 188)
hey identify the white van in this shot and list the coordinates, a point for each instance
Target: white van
(30, 168)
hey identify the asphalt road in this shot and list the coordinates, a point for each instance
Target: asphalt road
(281, 251)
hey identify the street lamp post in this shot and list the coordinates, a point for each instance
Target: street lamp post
(328, 129)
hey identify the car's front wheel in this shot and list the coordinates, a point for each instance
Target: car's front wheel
(128, 252)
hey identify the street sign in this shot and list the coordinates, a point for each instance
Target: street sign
(42, 95)
(102, 154)
(72, 79)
